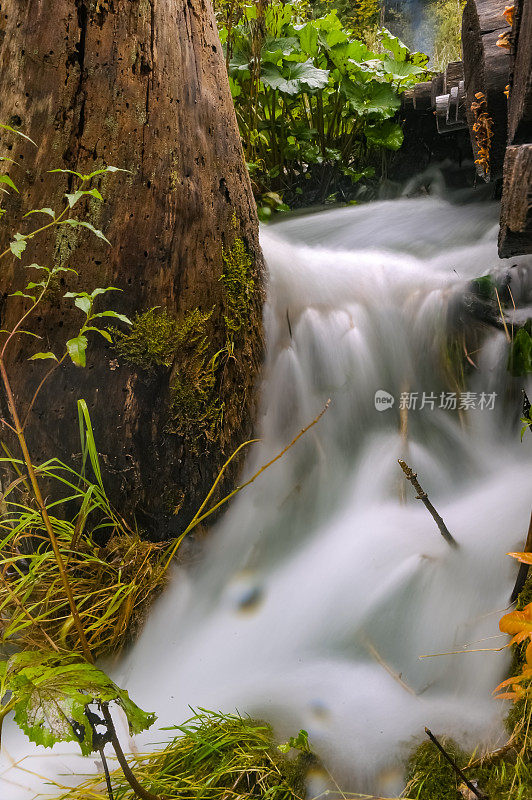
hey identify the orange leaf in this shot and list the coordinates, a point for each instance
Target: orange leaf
(518, 624)
(525, 558)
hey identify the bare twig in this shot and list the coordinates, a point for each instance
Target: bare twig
(523, 568)
(422, 495)
(454, 765)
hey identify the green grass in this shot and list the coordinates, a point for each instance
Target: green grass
(213, 757)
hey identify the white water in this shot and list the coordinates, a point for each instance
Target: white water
(321, 581)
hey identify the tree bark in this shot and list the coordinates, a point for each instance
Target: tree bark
(140, 85)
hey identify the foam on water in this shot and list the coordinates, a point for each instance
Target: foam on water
(326, 580)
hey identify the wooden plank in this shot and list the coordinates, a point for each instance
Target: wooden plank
(515, 235)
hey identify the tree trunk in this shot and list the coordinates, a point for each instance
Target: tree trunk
(140, 85)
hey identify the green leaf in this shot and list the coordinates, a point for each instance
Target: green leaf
(308, 39)
(299, 742)
(18, 133)
(520, 358)
(7, 180)
(67, 171)
(18, 246)
(102, 332)
(401, 69)
(84, 303)
(49, 211)
(388, 134)
(397, 48)
(39, 356)
(115, 315)
(77, 350)
(294, 77)
(77, 223)
(102, 171)
(96, 292)
(23, 294)
(73, 198)
(371, 98)
(52, 693)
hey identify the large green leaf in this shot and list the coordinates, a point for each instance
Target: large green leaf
(371, 97)
(308, 39)
(401, 69)
(395, 46)
(274, 49)
(294, 77)
(51, 693)
(347, 56)
(387, 134)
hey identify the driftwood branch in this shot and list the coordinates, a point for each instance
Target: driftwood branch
(523, 568)
(454, 765)
(422, 495)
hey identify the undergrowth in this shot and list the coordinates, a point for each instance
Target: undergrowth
(214, 757)
(504, 774)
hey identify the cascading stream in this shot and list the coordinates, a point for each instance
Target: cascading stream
(327, 580)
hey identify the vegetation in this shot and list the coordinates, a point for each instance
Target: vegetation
(315, 105)
(214, 756)
(448, 33)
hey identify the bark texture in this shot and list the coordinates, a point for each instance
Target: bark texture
(141, 85)
(486, 68)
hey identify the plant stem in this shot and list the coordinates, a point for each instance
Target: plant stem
(44, 513)
(144, 794)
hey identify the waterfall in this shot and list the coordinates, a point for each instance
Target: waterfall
(326, 598)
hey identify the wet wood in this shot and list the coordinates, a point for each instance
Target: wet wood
(486, 72)
(520, 107)
(139, 84)
(515, 236)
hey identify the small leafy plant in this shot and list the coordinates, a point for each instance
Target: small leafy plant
(51, 692)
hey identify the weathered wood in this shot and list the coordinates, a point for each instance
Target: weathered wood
(520, 106)
(422, 96)
(142, 85)
(515, 236)
(486, 71)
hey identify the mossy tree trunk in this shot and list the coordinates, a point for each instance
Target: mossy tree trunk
(141, 85)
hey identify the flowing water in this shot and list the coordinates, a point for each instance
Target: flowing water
(327, 582)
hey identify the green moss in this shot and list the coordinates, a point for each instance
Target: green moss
(238, 286)
(158, 341)
(156, 338)
(430, 776)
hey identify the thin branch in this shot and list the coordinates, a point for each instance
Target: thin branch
(454, 765)
(422, 495)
